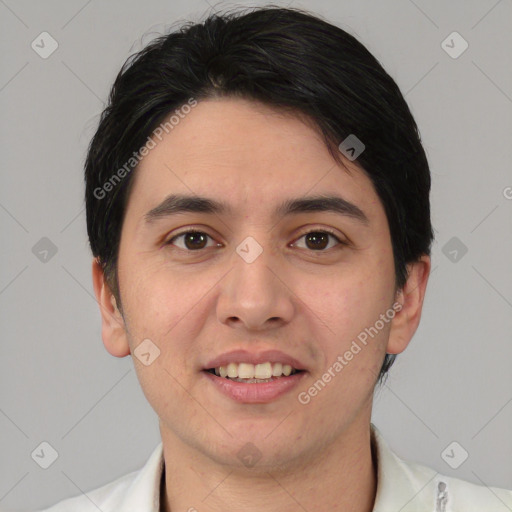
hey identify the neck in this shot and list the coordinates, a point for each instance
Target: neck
(341, 476)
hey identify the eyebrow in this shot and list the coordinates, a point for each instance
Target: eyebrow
(181, 203)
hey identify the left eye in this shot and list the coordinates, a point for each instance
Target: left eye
(318, 239)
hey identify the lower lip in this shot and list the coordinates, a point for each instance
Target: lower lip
(255, 393)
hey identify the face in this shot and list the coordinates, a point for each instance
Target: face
(256, 283)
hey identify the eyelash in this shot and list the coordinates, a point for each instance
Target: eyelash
(195, 230)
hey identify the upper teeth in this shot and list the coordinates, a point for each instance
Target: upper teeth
(253, 371)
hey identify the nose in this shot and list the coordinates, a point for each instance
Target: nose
(255, 294)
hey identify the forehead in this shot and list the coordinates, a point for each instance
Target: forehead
(249, 155)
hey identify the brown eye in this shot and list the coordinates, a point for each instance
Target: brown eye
(191, 240)
(319, 240)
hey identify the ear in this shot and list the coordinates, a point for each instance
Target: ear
(407, 319)
(113, 330)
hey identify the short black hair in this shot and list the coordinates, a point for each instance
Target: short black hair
(286, 58)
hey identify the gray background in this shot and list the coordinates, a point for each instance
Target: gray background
(57, 382)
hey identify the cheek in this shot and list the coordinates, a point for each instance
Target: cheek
(170, 307)
(348, 300)
(349, 305)
(159, 306)
(153, 299)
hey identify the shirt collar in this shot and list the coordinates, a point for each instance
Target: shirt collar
(400, 485)
(144, 492)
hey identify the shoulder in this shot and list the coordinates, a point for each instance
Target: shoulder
(458, 495)
(105, 498)
(411, 487)
(138, 490)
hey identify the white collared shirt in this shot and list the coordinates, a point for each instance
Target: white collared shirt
(402, 486)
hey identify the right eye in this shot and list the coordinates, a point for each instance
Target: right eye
(192, 240)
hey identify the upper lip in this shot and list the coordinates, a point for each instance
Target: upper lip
(244, 356)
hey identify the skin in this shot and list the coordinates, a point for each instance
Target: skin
(309, 304)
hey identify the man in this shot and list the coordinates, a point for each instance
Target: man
(258, 210)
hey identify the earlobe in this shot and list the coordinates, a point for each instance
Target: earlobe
(410, 298)
(113, 330)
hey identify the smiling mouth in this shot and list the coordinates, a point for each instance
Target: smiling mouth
(254, 373)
